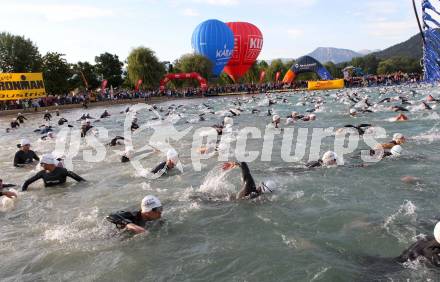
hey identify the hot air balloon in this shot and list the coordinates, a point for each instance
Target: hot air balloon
(214, 40)
(248, 44)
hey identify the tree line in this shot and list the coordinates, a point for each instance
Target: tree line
(20, 54)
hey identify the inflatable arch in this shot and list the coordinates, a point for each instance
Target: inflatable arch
(306, 64)
(191, 75)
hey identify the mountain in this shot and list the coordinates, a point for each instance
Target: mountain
(411, 48)
(335, 55)
(367, 51)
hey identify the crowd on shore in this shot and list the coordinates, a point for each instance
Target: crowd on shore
(85, 98)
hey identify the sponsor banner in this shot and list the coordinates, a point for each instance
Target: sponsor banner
(326, 84)
(16, 86)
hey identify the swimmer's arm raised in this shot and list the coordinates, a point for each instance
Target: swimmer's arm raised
(135, 228)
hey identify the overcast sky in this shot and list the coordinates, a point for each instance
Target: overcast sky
(291, 28)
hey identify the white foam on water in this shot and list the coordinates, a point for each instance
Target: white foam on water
(406, 211)
(320, 273)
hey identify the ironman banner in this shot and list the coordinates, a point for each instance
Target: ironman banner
(326, 84)
(15, 86)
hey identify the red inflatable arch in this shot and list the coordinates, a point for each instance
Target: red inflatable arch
(191, 75)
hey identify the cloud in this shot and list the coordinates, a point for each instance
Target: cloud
(295, 33)
(190, 12)
(58, 12)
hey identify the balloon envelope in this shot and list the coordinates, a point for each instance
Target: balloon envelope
(214, 40)
(248, 44)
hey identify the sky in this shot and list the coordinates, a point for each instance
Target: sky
(291, 28)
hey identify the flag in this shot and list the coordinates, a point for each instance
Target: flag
(111, 92)
(138, 84)
(262, 75)
(277, 76)
(103, 85)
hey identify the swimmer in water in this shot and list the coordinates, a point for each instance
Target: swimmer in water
(8, 194)
(353, 112)
(21, 118)
(169, 164)
(62, 120)
(427, 247)
(249, 190)
(276, 121)
(128, 154)
(398, 139)
(47, 116)
(51, 174)
(105, 114)
(115, 141)
(85, 127)
(25, 155)
(329, 159)
(139, 221)
(134, 124)
(360, 128)
(401, 117)
(396, 151)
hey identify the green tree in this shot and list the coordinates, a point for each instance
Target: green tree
(56, 73)
(252, 75)
(368, 64)
(18, 54)
(84, 70)
(143, 64)
(109, 67)
(334, 70)
(274, 67)
(396, 64)
(194, 63)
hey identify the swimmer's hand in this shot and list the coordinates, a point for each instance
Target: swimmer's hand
(135, 228)
(230, 165)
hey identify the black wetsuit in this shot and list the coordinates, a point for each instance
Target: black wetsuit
(56, 177)
(21, 118)
(249, 189)
(21, 158)
(385, 154)
(134, 126)
(427, 247)
(160, 167)
(47, 116)
(105, 114)
(85, 129)
(359, 128)
(318, 163)
(15, 124)
(62, 121)
(122, 218)
(114, 141)
(125, 159)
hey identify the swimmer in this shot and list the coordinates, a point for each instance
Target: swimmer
(139, 221)
(134, 124)
(276, 120)
(50, 135)
(2, 185)
(427, 247)
(51, 174)
(105, 114)
(296, 116)
(25, 155)
(360, 128)
(398, 139)
(353, 112)
(310, 117)
(21, 117)
(115, 141)
(401, 117)
(330, 158)
(170, 163)
(85, 127)
(396, 151)
(430, 98)
(249, 190)
(128, 154)
(47, 116)
(398, 109)
(61, 121)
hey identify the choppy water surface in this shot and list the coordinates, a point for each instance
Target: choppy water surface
(320, 225)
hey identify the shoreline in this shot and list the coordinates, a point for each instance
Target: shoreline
(127, 102)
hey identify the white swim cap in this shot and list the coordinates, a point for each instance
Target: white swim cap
(275, 118)
(228, 121)
(290, 121)
(50, 134)
(87, 120)
(19, 114)
(396, 150)
(437, 232)
(25, 142)
(172, 155)
(48, 159)
(329, 157)
(149, 203)
(294, 114)
(397, 136)
(312, 116)
(13, 119)
(83, 122)
(353, 111)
